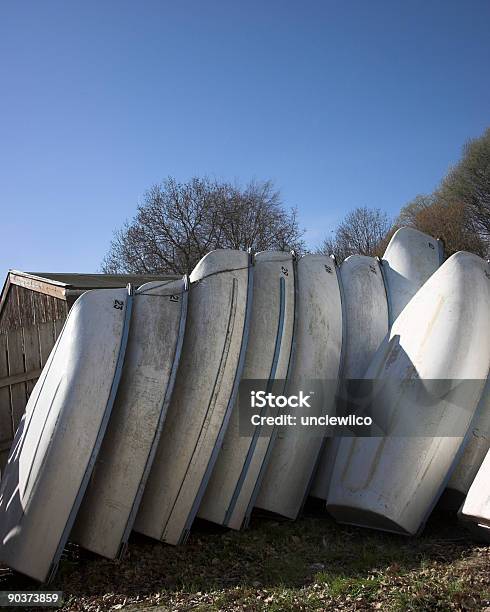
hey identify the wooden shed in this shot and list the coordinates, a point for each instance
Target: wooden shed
(33, 309)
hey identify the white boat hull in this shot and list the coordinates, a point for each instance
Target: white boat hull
(475, 512)
(204, 395)
(57, 443)
(409, 261)
(112, 499)
(370, 308)
(227, 500)
(392, 483)
(318, 341)
(474, 452)
(365, 312)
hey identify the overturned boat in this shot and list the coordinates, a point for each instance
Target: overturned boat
(108, 511)
(428, 377)
(365, 312)
(228, 499)
(60, 435)
(374, 293)
(204, 394)
(475, 512)
(144, 388)
(317, 352)
(473, 455)
(410, 259)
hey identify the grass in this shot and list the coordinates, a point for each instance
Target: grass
(311, 564)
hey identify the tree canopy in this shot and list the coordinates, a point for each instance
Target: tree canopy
(178, 223)
(459, 209)
(361, 232)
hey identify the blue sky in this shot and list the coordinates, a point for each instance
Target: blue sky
(342, 104)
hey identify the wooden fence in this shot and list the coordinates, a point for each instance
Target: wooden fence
(23, 353)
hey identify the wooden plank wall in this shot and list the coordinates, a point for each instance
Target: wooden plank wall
(24, 307)
(5, 416)
(24, 349)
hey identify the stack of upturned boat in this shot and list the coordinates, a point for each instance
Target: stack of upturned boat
(134, 422)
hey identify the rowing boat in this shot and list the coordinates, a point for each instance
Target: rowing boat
(109, 508)
(429, 376)
(204, 394)
(365, 313)
(317, 352)
(475, 512)
(410, 259)
(57, 443)
(228, 497)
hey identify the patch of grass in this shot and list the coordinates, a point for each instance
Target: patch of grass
(341, 586)
(311, 564)
(419, 597)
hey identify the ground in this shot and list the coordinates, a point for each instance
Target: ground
(311, 564)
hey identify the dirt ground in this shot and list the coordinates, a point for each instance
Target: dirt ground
(311, 564)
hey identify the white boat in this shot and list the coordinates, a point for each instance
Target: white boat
(409, 261)
(475, 512)
(108, 510)
(441, 343)
(474, 453)
(365, 313)
(318, 341)
(56, 445)
(370, 308)
(228, 496)
(205, 389)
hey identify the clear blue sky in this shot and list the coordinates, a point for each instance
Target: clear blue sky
(341, 103)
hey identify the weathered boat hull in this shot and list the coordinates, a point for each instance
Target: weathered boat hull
(475, 512)
(372, 306)
(237, 470)
(57, 443)
(409, 261)
(365, 312)
(474, 453)
(112, 499)
(439, 340)
(318, 342)
(205, 389)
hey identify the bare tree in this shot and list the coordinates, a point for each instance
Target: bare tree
(361, 232)
(178, 223)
